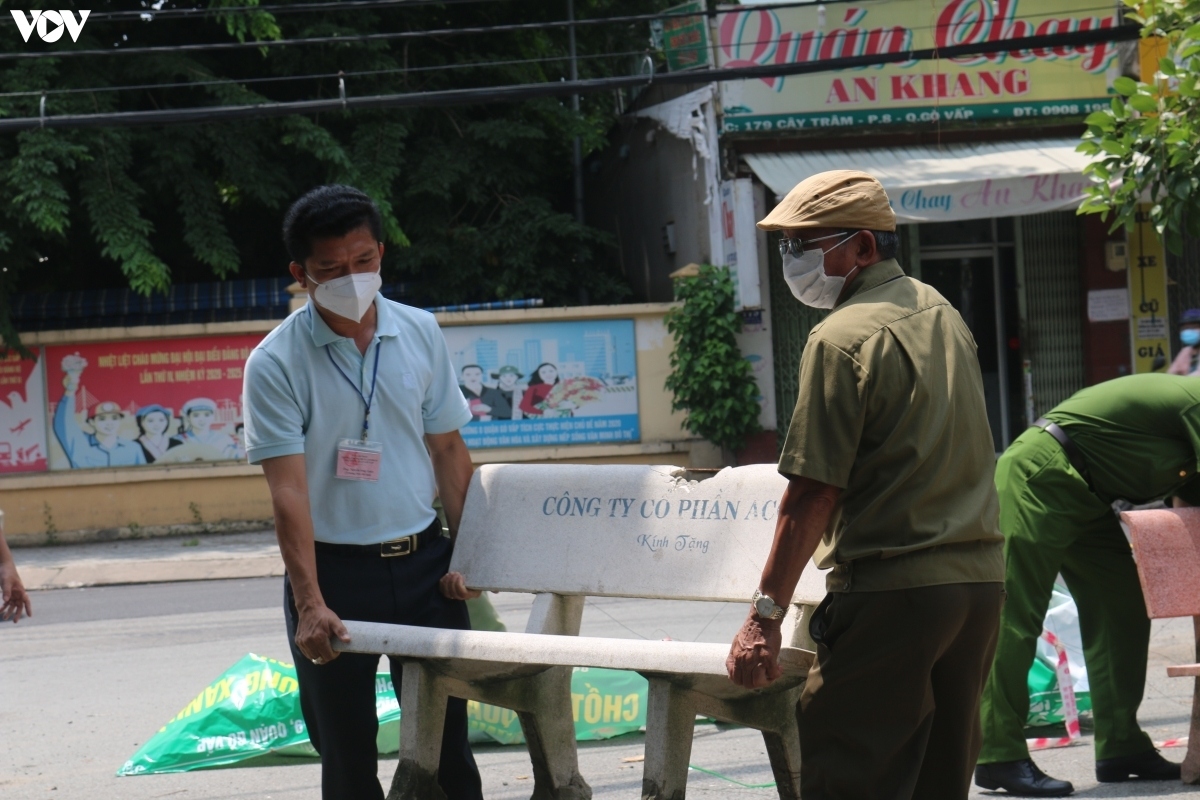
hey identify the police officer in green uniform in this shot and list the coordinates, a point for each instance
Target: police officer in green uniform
(1136, 438)
(890, 465)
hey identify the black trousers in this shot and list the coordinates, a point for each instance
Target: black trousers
(338, 698)
(891, 707)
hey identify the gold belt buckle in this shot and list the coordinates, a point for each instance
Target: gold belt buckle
(399, 547)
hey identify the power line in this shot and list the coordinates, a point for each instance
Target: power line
(398, 35)
(357, 5)
(406, 70)
(496, 94)
(340, 5)
(315, 76)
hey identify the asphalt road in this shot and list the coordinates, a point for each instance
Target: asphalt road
(97, 671)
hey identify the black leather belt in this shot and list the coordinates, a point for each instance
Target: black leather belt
(404, 546)
(1074, 455)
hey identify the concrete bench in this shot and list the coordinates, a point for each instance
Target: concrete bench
(1166, 547)
(568, 532)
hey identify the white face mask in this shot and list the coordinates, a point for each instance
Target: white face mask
(348, 296)
(805, 276)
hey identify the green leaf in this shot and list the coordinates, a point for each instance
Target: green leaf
(1101, 119)
(710, 380)
(1143, 103)
(1174, 241)
(1115, 147)
(111, 198)
(34, 179)
(1125, 85)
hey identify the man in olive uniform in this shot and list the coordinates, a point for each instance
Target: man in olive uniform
(890, 463)
(1136, 438)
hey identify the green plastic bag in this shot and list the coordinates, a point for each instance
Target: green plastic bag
(604, 703)
(253, 710)
(1045, 701)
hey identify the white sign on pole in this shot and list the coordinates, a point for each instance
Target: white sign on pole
(739, 241)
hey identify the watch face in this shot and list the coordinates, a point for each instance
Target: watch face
(764, 606)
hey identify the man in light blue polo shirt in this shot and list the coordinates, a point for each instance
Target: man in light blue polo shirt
(353, 409)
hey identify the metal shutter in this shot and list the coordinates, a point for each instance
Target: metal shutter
(1049, 250)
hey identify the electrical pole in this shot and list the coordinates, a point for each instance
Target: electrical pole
(577, 156)
(577, 145)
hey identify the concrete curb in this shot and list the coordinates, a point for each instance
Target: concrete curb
(107, 573)
(134, 532)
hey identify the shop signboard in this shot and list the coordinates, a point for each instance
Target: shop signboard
(22, 413)
(162, 401)
(1150, 334)
(547, 383)
(1046, 82)
(685, 39)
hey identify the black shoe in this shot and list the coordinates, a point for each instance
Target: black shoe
(1147, 766)
(1022, 778)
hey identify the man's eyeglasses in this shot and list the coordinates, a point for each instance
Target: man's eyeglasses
(796, 247)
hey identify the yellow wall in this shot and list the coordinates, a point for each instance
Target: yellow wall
(129, 503)
(140, 501)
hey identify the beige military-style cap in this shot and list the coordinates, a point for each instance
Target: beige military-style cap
(840, 198)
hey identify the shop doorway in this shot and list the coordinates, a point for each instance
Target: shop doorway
(972, 264)
(1017, 284)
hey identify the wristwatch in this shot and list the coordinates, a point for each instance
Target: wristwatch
(765, 607)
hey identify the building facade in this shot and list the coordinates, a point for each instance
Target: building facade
(977, 155)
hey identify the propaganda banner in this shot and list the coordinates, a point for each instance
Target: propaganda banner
(161, 401)
(547, 383)
(1048, 82)
(22, 414)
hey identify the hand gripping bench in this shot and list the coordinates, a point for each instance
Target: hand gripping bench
(567, 532)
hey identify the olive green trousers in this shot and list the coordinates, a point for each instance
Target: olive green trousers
(1054, 524)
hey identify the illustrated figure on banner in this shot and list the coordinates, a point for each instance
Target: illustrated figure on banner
(103, 446)
(505, 396)
(153, 422)
(199, 441)
(535, 402)
(473, 389)
(551, 396)
(492, 402)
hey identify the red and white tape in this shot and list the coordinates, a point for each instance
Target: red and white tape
(1066, 688)
(1062, 672)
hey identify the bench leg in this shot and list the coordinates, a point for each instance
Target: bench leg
(670, 723)
(1191, 761)
(783, 749)
(422, 717)
(550, 735)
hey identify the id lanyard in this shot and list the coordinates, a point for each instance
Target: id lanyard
(360, 459)
(367, 400)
